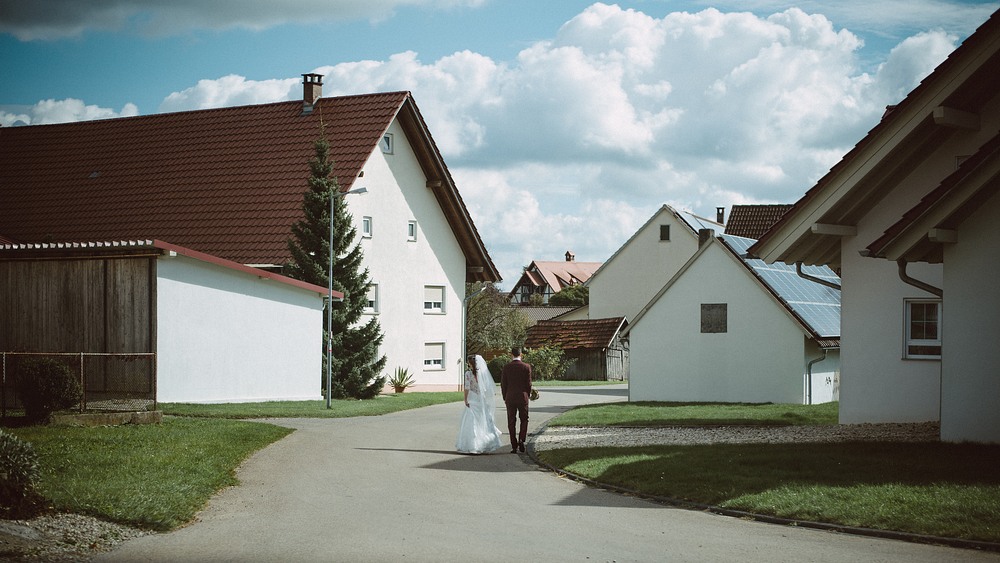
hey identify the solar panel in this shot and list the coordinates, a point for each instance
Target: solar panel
(817, 305)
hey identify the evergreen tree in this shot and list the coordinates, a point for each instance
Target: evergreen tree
(357, 364)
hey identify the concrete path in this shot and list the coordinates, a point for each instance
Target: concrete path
(392, 488)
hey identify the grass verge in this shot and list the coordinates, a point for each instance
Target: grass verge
(383, 404)
(946, 490)
(154, 476)
(644, 413)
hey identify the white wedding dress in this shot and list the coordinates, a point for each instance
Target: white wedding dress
(477, 431)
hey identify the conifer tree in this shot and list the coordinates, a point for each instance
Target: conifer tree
(357, 364)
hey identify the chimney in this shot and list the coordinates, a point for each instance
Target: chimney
(720, 215)
(570, 256)
(312, 90)
(704, 235)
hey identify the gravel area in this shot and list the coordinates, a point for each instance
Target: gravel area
(60, 537)
(77, 538)
(573, 436)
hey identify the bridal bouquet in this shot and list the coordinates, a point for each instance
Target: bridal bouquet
(534, 394)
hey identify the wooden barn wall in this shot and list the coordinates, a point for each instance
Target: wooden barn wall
(78, 305)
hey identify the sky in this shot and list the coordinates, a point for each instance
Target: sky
(565, 124)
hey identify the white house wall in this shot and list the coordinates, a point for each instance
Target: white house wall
(397, 194)
(758, 359)
(970, 388)
(624, 285)
(228, 336)
(825, 375)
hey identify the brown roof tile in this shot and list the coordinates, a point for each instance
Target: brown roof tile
(574, 335)
(752, 221)
(228, 182)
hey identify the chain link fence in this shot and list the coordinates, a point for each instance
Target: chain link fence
(110, 382)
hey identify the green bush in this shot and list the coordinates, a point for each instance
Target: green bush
(18, 476)
(45, 385)
(496, 365)
(547, 362)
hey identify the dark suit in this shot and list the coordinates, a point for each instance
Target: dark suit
(515, 386)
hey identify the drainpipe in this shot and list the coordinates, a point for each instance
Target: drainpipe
(809, 375)
(821, 281)
(915, 282)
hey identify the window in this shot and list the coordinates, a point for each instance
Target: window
(665, 232)
(371, 303)
(386, 143)
(366, 227)
(923, 329)
(433, 299)
(411, 231)
(714, 317)
(434, 355)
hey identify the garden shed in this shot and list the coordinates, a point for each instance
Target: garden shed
(594, 344)
(145, 321)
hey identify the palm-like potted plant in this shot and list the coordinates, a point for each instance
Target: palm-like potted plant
(400, 380)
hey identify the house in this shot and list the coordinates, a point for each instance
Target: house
(548, 278)
(229, 183)
(909, 218)
(220, 331)
(732, 329)
(594, 345)
(752, 221)
(626, 282)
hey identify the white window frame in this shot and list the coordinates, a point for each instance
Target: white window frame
(366, 227)
(371, 301)
(434, 356)
(411, 231)
(431, 305)
(387, 143)
(910, 342)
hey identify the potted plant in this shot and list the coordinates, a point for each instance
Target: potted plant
(401, 380)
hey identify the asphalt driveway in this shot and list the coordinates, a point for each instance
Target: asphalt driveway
(392, 488)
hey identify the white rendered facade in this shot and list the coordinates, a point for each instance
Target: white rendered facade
(405, 263)
(225, 336)
(761, 356)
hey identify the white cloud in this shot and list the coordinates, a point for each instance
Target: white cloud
(62, 111)
(231, 90)
(578, 140)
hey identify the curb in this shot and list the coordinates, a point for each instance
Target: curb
(679, 503)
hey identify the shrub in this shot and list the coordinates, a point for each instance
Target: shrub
(46, 385)
(547, 362)
(496, 365)
(18, 475)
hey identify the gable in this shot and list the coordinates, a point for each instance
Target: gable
(947, 107)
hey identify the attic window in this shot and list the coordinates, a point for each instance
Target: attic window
(714, 317)
(386, 144)
(665, 233)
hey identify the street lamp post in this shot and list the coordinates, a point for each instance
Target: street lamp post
(329, 297)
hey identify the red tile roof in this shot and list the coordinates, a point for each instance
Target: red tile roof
(574, 335)
(752, 221)
(227, 182)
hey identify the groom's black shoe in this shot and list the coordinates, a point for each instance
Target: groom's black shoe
(513, 450)
(521, 447)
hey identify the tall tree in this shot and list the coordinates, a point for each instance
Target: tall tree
(357, 365)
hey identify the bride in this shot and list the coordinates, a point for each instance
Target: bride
(477, 431)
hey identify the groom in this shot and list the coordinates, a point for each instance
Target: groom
(515, 386)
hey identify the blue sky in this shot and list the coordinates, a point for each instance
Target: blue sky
(566, 124)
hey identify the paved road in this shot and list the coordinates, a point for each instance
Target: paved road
(392, 488)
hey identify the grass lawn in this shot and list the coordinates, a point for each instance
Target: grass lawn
(946, 490)
(383, 404)
(154, 476)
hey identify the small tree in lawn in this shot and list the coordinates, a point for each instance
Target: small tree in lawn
(357, 365)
